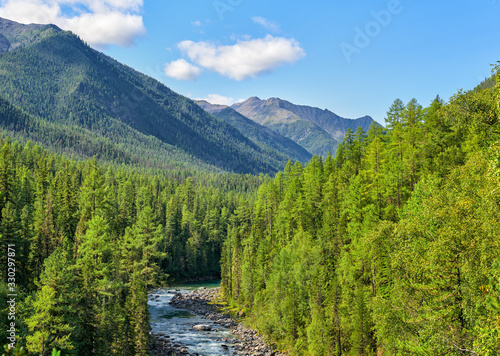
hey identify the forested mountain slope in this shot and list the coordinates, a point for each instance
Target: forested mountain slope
(318, 131)
(82, 143)
(53, 75)
(14, 35)
(260, 135)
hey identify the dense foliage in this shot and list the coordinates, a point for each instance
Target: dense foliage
(391, 247)
(82, 143)
(89, 241)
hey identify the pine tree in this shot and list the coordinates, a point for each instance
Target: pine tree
(94, 263)
(6, 175)
(54, 319)
(137, 309)
(10, 227)
(412, 137)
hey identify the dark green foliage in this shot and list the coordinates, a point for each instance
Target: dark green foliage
(14, 35)
(83, 143)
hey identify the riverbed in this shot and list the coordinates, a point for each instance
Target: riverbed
(177, 324)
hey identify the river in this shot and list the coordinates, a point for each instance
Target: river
(178, 323)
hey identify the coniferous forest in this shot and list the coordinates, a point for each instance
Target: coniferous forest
(90, 240)
(390, 247)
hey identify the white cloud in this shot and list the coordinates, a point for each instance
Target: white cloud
(102, 29)
(182, 70)
(269, 25)
(235, 37)
(29, 11)
(196, 23)
(99, 22)
(246, 58)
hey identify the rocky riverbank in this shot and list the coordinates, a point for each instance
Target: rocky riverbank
(246, 342)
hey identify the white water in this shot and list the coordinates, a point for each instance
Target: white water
(178, 323)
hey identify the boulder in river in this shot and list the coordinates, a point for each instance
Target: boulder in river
(202, 327)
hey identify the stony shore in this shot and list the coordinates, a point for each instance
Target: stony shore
(247, 342)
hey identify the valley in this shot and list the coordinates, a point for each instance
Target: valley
(122, 200)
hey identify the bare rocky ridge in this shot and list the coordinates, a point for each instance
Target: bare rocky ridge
(247, 343)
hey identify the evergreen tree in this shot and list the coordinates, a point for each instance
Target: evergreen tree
(54, 319)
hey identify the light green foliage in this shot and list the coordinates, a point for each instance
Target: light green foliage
(488, 332)
(47, 329)
(17, 351)
(54, 308)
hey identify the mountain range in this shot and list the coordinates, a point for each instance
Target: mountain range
(257, 133)
(54, 76)
(317, 130)
(57, 91)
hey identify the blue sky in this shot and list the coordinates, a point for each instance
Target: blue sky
(351, 57)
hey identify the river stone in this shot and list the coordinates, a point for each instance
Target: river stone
(202, 327)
